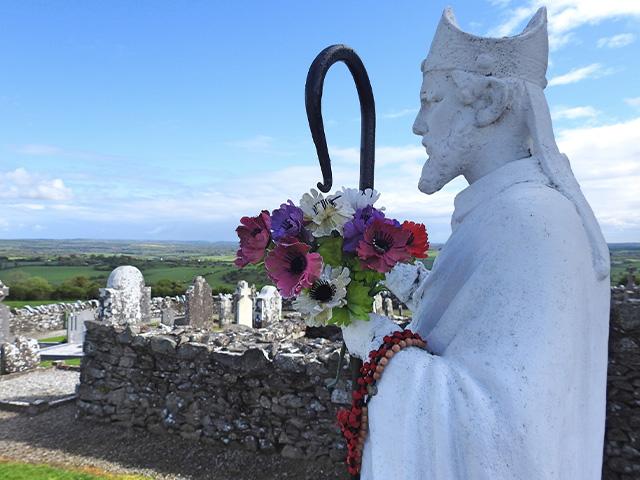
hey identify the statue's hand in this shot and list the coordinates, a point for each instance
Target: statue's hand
(363, 336)
(404, 279)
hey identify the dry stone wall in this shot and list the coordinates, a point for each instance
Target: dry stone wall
(622, 439)
(46, 318)
(262, 389)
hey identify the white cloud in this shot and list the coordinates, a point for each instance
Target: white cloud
(617, 41)
(605, 161)
(595, 70)
(20, 184)
(633, 101)
(565, 16)
(573, 113)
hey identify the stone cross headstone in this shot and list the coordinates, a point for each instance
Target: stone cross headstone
(225, 309)
(199, 306)
(126, 299)
(244, 304)
(75, 325)
(268, 306)
(5, 316)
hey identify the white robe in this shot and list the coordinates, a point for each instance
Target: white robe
(518, 324)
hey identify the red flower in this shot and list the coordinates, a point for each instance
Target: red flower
(418, 242)
(254, 234)
(292, 267)
(384, 244)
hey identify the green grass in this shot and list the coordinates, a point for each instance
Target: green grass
(71, 361)
(26, 471)
(59, 339)
(32, 303)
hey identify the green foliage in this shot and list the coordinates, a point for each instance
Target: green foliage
(340, 317)
(359, 301)
(331, 250)
(167, 288)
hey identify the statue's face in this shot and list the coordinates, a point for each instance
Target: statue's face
(447, 129)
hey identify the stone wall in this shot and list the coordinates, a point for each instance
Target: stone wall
(46, 318)
(622, 440)
(262, 389)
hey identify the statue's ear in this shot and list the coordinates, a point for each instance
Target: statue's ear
(492, 98)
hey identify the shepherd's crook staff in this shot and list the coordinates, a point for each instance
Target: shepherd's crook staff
(313, 102)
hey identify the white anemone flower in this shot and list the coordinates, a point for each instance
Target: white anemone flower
(325, 214)
(316, 304)
(357, 198)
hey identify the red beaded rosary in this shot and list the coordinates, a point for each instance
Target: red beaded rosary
(353, 421)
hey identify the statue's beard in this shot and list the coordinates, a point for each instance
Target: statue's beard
(448, 158)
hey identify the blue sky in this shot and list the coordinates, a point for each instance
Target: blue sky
(171, 119)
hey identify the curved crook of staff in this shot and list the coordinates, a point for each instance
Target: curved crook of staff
(313, 102)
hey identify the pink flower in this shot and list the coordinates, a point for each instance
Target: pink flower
(292, 267)
(254, 237)
(384, 244)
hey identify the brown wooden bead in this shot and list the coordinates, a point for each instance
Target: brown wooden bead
(396, 348)
(402, 344)
(379, 368)
(389, 354)
(383, 361)
(376, 376)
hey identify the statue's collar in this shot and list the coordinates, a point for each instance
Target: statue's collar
(487, 187)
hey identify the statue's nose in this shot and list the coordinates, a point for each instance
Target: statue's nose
(419, 125)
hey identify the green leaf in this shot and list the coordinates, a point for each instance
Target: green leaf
(331, 250)
(340, 316)
(359, 302)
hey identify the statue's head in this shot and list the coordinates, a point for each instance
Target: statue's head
(474, 94)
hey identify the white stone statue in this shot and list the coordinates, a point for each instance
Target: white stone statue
(515, 310)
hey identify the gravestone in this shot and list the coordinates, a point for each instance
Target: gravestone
(244, 304)
(377, 303)
(75, 325)
(268, 307)
(631, 279)
(199, 306)
(168, 316)
(388, 307)
(126, 299)
(225, 309)
(5, 316)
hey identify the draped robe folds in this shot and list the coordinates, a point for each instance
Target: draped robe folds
(518, 325)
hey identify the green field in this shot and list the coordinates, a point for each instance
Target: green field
(219, 273)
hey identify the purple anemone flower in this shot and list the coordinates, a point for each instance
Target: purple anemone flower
(354, 230)
(288, 221)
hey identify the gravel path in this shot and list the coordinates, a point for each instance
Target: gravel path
(47, 384)
(56, 437)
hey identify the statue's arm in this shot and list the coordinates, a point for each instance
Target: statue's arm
(406, 282)
(363, 336)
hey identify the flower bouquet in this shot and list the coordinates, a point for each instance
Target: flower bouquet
(330, 253)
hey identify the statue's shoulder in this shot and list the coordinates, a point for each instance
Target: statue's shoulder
(536, 209)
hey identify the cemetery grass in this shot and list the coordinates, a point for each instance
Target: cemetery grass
(75, 362)
(28, 471)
